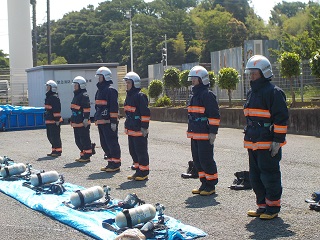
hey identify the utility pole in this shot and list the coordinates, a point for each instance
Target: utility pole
(34, 32)
(48, 32)
(165, 52)
(128, 15)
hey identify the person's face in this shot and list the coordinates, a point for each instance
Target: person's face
(195, 81)
(100, 78)
(76, 86)
(129, 84)
(254, 74)
(48, 88)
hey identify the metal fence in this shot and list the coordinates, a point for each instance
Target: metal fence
(305, 86)
(17, 93)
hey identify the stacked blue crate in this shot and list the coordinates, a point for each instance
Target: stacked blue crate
(21, 117)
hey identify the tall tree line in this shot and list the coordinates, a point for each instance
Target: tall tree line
(193, 29)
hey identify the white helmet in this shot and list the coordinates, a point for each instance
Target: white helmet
(53, 85)
(81, 81)
(262, 63)
(105, 72)
(134, 77)
(200, 72)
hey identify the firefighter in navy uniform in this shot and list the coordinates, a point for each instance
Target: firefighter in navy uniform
(53, 118)
(136, 126)
(80, 119)
(266, 115)
(203, 124)
(106, 118)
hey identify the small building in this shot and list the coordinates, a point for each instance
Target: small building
(63, 75)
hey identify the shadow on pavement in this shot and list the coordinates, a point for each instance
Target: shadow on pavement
(132, 185)
(198, 201)
(75, 164)
(101, 175)
(46, 158)
(269, 229)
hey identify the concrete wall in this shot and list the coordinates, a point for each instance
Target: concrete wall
(301, 121)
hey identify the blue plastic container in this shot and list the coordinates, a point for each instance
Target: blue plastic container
(21, 118)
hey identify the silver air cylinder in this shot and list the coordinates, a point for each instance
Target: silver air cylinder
(13, 170)
(134, 216)
(43, 178)
(80, 198)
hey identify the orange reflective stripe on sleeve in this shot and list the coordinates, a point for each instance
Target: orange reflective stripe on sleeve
(196, 109)
(86, 110)
(273, 203)
(253, 112)
(212, 176)
(280, 129)
(57, 114)
(114, 114)
(101, 102)
(75, 106)
(214, 121)
(145, 118)
(47, 106)
(129, 108)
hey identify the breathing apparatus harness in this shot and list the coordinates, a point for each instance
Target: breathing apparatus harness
(56, 187)
(94, 206)
(151, 229)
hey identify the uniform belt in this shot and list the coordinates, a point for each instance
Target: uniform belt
(258, 124)
(202, 119)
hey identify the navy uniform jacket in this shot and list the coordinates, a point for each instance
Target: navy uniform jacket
(53, 108)
(137, 112)
(106, 104)
(203, 113)
(266, 113)
(80, 107)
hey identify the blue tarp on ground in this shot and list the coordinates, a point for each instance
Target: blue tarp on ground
(21, 117)
(88, 222)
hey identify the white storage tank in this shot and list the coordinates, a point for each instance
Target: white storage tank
(63, 75)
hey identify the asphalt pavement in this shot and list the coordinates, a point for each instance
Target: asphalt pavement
(221, 216)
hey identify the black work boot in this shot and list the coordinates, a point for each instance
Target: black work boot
(192, 171)
(93, 147)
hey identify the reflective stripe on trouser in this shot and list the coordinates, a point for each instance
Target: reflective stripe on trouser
(202, 155)
(138, 149)
(109, 143)
(83, 141)
(265, 177)
(53, 135)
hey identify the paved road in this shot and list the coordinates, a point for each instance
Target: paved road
(222, 216)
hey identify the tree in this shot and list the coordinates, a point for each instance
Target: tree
(179, 47)
(171, 80)
(315, 64)
(155, 89)
(4, 62)
(228, 79)
(212, 79)
(290, 68)
(183, 80)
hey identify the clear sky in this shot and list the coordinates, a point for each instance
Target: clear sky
(60, 7)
